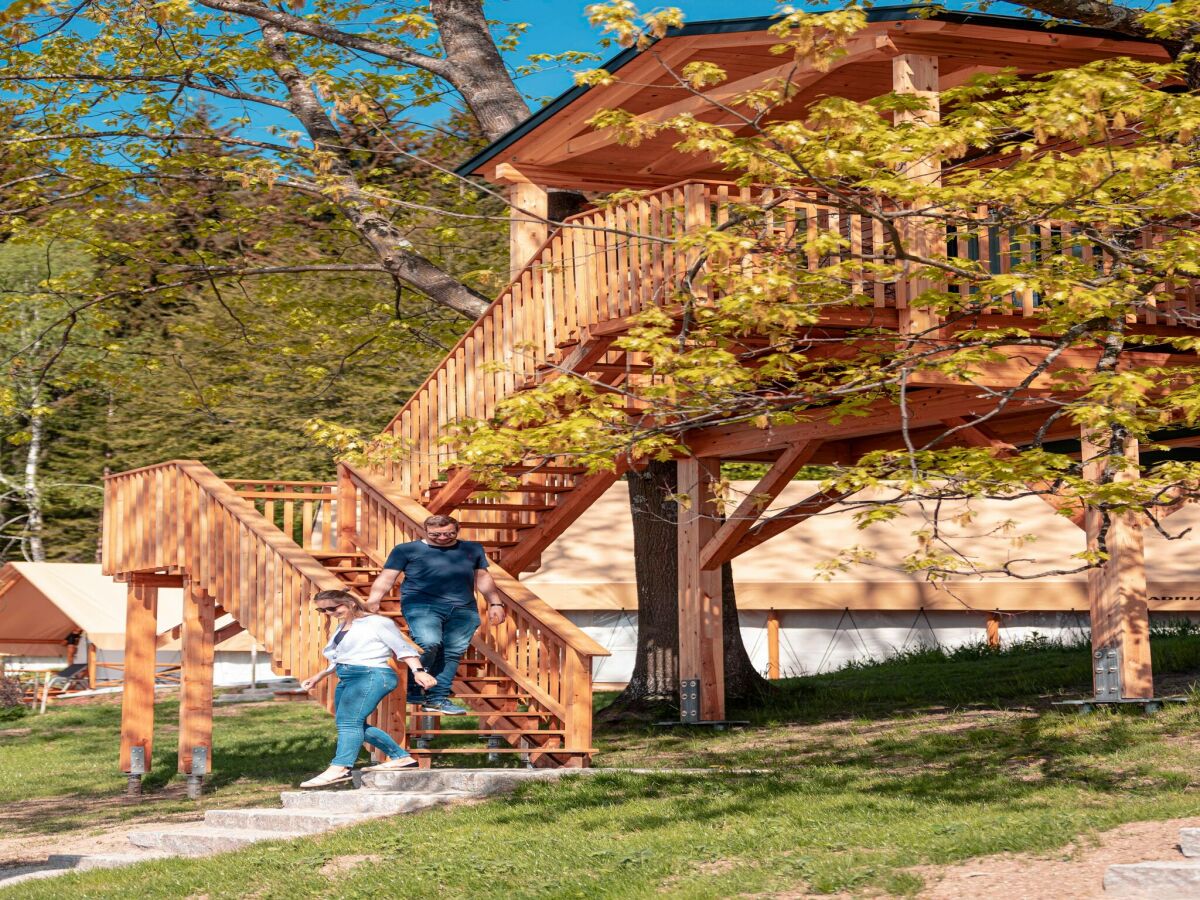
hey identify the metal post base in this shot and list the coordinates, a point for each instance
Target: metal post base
(195, 787)
(133, 787)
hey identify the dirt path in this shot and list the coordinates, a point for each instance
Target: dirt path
(1074, 873)
(29, 848)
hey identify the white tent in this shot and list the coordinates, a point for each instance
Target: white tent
(41, 604)
(873, 609)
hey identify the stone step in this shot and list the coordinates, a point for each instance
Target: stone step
(364, 801)
(61, 863)
(1189, 841)
(291, 821)
(1153, 880)
(203, 839)
(478, 782)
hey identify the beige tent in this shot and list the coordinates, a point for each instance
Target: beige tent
(591, 566)
(794, 623)
(41, 604)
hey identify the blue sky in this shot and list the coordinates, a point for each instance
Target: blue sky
(557, 25)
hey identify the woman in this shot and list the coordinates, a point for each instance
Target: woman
(359, 652)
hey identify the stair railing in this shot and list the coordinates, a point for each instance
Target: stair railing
(541, 650)
(179, 518)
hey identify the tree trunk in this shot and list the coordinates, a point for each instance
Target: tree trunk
(32, 492)
(655, 678)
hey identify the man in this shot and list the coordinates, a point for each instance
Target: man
(437, 597)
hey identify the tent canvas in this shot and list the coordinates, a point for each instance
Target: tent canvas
(591, 566)
(42, 603)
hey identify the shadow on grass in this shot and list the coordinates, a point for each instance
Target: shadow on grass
(1031, 674)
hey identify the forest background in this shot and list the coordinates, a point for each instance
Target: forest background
(228, 371)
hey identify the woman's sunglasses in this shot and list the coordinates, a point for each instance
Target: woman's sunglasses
(328, 609)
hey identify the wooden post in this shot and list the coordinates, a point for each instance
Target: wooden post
(577, 697)
(1117, 589)
(196, 684)
(529, 206)
(701, 652)
(917, 74)
(347, 512)
(773, 644)
(137, 692)
(993, 631)
(91, 666)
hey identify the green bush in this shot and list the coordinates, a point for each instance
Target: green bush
(11, 695)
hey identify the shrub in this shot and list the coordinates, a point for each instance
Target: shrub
(11, 695)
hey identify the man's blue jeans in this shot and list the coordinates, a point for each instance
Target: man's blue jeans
(359, 690)
(443, 631)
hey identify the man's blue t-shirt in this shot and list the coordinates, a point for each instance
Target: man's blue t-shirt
(438, 573)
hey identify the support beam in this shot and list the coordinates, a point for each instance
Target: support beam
(721, 548)
(788, 518)
(137, 693)
(226, 632)
(979, 436)
(1117, 589)
(196, 691)
(529, 226)
(773, 644)
(701, 651)
(91, 666)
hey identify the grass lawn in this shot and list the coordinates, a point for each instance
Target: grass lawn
(859, 776)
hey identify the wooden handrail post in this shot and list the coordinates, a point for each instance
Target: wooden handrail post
(347, 512)
(577, 698)
(195, 701)
(1117, 589)
(137, 693)
(917, 74)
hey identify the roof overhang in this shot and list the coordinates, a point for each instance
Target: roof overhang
(557, 148)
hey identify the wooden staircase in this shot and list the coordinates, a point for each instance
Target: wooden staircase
(526, 682)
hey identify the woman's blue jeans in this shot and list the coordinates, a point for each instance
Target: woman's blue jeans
(359, 690)
(443, 631)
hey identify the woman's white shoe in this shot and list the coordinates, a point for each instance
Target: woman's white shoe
(332, 775)
(391, 765)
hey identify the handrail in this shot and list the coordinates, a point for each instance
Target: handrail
(181, 518)
(544, 653)
(611, 263)
(277, 501)
(550, 618)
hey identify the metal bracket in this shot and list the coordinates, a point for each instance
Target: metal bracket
(1106, 670)
(137, 760)
(689, 700)
(195, 779)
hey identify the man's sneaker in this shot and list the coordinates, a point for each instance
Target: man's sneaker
(445, 707)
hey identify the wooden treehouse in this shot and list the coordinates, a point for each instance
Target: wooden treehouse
(259, 550)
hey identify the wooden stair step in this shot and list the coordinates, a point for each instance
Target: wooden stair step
(546, 470)
(442, 751)
(468, 505)
(491, 696)
(484, 732)
(497, 526)
(516, 714)
(353, 568)
(517, 489)
(335, 554)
